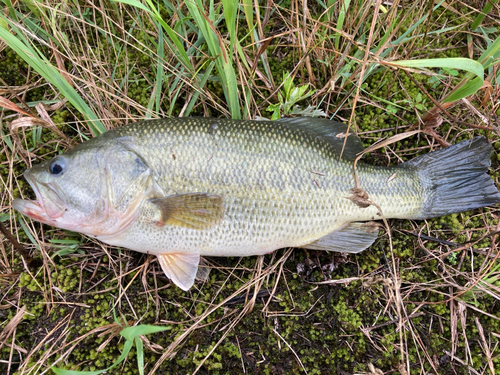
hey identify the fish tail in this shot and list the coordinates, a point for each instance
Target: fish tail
(455, 179)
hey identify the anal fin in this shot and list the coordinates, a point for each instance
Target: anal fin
(351, 238)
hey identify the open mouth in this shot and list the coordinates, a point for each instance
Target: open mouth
(48, 205)
(32, 209)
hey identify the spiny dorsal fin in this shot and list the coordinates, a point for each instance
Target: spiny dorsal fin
(351, 238)
(195, 211)
(331, 131)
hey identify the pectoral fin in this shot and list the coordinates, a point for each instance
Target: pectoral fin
(195, 211)
(180, 268)
(352, 238)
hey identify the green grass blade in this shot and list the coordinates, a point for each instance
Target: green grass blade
(435, 32)
(468, 86)
(248, 10)
(174, 91)
(229, 8)
(414, 26)
(60, 371)
(11, 9)
(130, 333)
(159, 71)
(218, 51)
(340, 21)
(28, 234)
(232, 89)
(41, 65)
(139, 347)
(461, 63)
(491, 53)
(154, 100)
(174, 43)
(135, 3)
(126, 349)
(480, 17)
(196, 95)
(385, 37)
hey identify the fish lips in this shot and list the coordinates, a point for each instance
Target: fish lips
(48, 206)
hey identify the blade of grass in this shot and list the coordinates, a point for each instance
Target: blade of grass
(28, 233)
(156, 94)
(461, 63)
(248, 10)
(473, 67)
(469, 83)
(217, 48)
(41, 65)
(174, 43)
(402, 38)
(159, 71)
(203, 82)
(480, 17)
(11, 9)
(491, 53)
(229, 9)
(340, 21)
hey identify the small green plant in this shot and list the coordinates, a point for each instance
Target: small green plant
(435, 80)
(288, 96)
(67, 246)
(131, 335)
(490, 284)
(453, 258)
(419, 102)
(391, 109)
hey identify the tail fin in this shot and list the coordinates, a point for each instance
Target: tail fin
(456, 179)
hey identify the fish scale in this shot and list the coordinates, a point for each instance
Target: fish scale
(190, 187)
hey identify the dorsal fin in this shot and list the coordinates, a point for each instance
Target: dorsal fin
(331, 131)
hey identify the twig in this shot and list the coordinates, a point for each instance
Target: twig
(30, 261)
(289, 347)
(241, 299)
(393, 321)
(428, 238)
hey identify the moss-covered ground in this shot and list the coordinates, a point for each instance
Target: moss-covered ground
(427, 304)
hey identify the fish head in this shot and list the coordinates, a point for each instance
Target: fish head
(96, 188)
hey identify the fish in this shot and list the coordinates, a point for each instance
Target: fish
(186, 188)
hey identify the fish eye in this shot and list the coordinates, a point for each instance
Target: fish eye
(57, 167)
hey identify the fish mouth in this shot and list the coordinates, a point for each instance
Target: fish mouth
(48, 206)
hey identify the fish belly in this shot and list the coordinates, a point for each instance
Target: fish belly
(257, 222)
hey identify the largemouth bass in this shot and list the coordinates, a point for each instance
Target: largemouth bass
(189, 187)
